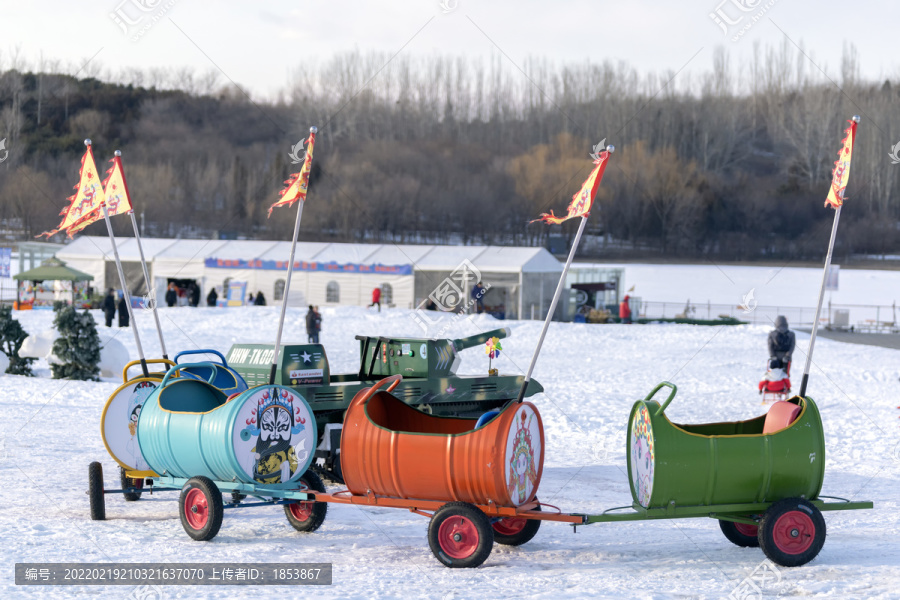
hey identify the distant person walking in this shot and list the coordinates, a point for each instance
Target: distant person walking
(251, 300)
(781, 343)
(376, 298)
(625, 309)
(171, 296)
(260, 299)
(478, 292)
(123, 312)
(212, 297)
(311, 334)
(109, 307)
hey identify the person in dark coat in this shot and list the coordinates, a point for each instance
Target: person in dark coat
(781, 343)
(109, 307)
(478, 293)
(171, 296)
(311, 333)
(317, 323)
(123, 312)
(194, 295)
(260, 299)
(625, 309)
(212, 298)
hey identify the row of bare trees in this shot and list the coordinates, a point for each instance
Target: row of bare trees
(732, 163)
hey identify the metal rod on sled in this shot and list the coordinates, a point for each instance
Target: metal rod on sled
(137, 238)
(559, 288)
(137, 337)
(815, 325)
(287, 285)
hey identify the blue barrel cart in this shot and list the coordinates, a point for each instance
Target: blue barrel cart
(195, 438)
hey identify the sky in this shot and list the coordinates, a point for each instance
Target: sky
(258, 45)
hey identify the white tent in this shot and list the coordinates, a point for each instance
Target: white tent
(519, 280)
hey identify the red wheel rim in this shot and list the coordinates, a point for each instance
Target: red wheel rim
(794, 532)
(458, 537)
(748, 530)
(301, 510)
(196, 509)
(510, 525)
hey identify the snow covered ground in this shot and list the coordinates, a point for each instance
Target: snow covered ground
(592, 374)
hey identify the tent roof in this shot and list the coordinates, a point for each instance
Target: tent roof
(53, 269)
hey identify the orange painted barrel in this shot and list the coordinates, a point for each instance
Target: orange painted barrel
(391, 449)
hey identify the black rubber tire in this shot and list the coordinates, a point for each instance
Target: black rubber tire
(516, 539)
(812, 528)
(319, 509)
(128, 482)
(483, 531)
(95, 492)
(737, 537)
(213, 500)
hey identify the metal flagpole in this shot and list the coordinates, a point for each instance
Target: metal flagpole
(837, 218)
(287, 285)
(559, 288)
(815, 326)
(137, 238)
(137, 337)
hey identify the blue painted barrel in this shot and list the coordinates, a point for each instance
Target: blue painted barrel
(266, 435)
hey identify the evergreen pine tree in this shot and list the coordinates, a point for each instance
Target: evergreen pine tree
(11, 337)
(78, 345)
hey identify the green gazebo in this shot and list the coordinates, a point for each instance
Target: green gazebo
(52, 282)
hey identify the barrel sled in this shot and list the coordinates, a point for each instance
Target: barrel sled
(265, 435)
(774, 456)
(389, 448)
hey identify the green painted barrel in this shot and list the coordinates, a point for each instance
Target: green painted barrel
(265, 435)
(724, 463)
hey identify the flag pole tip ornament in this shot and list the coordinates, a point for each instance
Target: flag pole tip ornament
(118, 153)
(856, 118)
(87, 142)
(612, 148)
(316, 129)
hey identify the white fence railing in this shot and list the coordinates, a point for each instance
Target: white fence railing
(861, 316)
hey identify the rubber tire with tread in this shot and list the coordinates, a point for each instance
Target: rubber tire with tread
(319, 509)
(517, 539)
(737, 537)
(214, 505)
(128, 482)
(479, 520)
(767, 525)
(95, 492)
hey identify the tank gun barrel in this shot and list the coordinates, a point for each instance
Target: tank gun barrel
(480, 338)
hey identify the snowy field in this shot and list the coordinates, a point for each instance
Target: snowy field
(592, 375)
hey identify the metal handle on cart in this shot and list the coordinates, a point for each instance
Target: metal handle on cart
(658, 387)
(213, 367)
(149, 361)
(217, 353)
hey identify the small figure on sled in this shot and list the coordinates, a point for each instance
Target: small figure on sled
(776, 383)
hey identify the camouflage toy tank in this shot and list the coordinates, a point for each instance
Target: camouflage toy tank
(429, 381)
